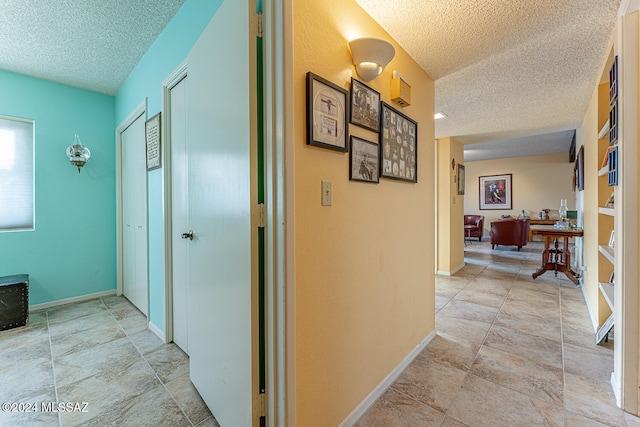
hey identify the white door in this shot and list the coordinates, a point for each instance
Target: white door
(134, 214)
(179, 215)
(219, 181)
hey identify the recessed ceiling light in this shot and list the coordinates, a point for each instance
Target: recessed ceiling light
(439, 115)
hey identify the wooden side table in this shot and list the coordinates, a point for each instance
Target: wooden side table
(555, 258)
(539, 222)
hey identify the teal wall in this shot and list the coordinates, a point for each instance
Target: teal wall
(71, 252)
(145, 81)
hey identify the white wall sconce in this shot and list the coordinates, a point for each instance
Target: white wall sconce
(78, 154)
(370, 56)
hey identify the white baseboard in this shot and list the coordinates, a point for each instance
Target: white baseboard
(594, 321)
(153, 328)
(386, 383)
(452, 272)
(87, 297)
(616, 389)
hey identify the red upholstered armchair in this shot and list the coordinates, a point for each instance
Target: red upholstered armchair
(509, 232)
(478, 222)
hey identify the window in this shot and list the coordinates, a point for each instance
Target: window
(16, 174)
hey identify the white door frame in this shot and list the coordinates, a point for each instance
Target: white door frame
(279, 241)
(168, 83)
(139, 110)
(279, 299)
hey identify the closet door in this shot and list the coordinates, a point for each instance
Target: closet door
(134, 215)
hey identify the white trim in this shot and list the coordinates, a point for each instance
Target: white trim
(138, 111)
(153, 328)
(594, 320)
(80, 298)
(175, 77)
(279, 242)
(452, 272)
(387, 382)
(616, 389)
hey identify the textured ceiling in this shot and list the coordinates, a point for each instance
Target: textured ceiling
(90, 44)
(504, 69)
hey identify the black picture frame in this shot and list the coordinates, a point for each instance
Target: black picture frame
(495, 192)
(364, 106)
(398, 145)
(326, 114)
(364, 160)
(579, 169)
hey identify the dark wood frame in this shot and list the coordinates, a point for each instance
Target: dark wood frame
(356, 110)
(395, 155)
(321, 91)
(357, 164)
(508, 192)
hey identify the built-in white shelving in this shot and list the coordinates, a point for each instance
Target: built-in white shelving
(607, 251)
(606, 211)
(607, 291)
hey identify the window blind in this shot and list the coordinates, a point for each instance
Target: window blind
(16, 174)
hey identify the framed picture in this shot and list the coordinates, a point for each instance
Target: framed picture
(579, 169)
(461, 179)
(365, 160)
(326, 114)
(365, 106)
(399, 145)
(495, 192)
(153, 142)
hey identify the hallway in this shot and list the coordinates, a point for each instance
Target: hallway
(510, 351)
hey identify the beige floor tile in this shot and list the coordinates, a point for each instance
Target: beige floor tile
(188, 399)
(541, 382)
(107, 393)
(537, 349)
(542, 325)
(480, 297)
(111, 357)
(483, 403)
(75, 311)
(469, 311)
(452, 351)
(452, 327)
(594, 362)
(430, 382)
(168, 362)
(95, 330)
(395, 409)
(592, 399)
(145, 341)
(575, 420)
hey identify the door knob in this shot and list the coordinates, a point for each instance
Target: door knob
(188, 235)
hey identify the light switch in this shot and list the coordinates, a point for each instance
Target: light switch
(326, 193)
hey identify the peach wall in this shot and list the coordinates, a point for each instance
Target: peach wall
(450, 217)
(537, 181)
(364, 267)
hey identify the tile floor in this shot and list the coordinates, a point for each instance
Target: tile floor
(509, 351)
(100, 352)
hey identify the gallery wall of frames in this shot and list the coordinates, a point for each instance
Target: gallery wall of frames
(330, 111)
